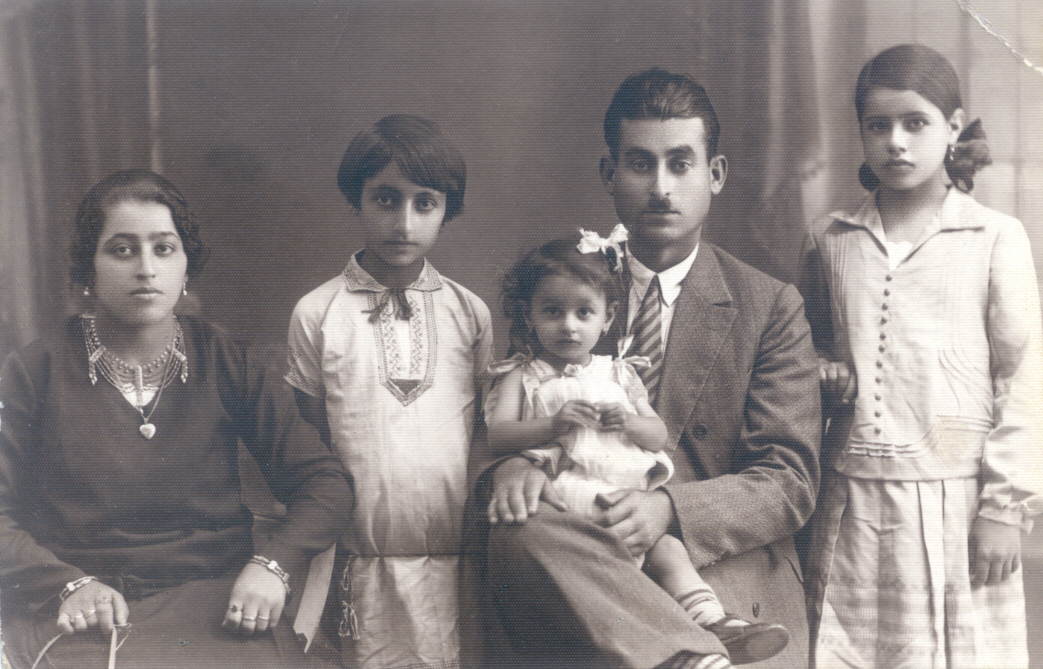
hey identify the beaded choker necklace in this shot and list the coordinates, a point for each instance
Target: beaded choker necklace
(128, 379)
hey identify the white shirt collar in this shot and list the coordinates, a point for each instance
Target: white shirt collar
(670, 279)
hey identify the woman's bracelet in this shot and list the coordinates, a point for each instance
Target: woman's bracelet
(273, 566)
(73, 586)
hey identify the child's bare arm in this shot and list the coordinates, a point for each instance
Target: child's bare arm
(646, 429)
(509, 434)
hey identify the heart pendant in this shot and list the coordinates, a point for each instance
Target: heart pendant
(147, 430)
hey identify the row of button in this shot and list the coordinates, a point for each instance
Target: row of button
(882, 348)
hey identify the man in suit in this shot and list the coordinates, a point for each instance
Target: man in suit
(735, 379)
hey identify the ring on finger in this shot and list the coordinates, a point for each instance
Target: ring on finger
(233, 608)
(262, 618)
(248, 620)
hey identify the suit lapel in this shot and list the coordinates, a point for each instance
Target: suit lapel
(702, 320)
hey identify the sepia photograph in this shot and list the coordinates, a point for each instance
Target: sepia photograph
(511, 334)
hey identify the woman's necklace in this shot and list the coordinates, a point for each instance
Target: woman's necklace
(136, 379)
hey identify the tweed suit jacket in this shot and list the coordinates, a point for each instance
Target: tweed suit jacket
(740, 398)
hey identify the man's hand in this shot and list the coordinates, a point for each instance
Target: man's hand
(95, 605)
(637, 518)
(256, 602)
(518, 486)
(995, 551)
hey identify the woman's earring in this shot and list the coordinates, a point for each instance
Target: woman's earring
(950, 155)
(86, 291)
(184, 288)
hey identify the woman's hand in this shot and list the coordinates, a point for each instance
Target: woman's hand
(257, 600)
(575, 413)
(837, 381)
(95, 605)
(994, 550)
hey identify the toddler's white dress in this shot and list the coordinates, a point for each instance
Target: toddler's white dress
(586, 461)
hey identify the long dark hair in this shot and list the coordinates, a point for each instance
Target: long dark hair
(914, 67)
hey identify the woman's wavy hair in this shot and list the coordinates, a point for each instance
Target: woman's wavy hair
(556, 258)
(133, 185)
(914, 67)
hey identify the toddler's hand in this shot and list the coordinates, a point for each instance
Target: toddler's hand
(837, 381)
(575, 413)
(613, 417)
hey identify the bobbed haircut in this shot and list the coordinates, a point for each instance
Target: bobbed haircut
(556, 258)
(662, 95)
(134, 185)
(417, 145)
(915, 67)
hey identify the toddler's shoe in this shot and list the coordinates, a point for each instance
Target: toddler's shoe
(751, 642)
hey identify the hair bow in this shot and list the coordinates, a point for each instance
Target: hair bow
(611, 246)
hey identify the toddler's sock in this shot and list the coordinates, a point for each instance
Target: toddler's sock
(702, 604)
(688, 660)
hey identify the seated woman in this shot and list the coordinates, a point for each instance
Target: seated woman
(120, 504)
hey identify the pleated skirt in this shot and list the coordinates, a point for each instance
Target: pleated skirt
(889, 581)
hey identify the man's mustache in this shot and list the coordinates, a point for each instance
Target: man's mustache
(659, 204)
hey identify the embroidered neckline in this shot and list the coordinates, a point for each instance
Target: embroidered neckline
(358, 279)
(423, 348)
(420, 316)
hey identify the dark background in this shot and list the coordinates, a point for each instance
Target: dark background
(253, 102)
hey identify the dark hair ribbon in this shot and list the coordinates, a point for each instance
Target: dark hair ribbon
(970, 153)
(399, 302)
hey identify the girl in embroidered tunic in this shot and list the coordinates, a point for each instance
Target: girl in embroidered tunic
(925, 310)
(386, 358)
(586, 418)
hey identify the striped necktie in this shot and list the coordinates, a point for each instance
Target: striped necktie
(648, 338)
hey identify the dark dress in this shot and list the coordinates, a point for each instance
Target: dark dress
(160, 520)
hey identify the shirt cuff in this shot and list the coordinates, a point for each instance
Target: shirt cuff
(304, 384)
(1017, 515)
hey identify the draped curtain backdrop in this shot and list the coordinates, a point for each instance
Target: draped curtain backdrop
(257, 100)
(248, 104)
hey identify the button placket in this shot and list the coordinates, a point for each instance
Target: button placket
(882, 349)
